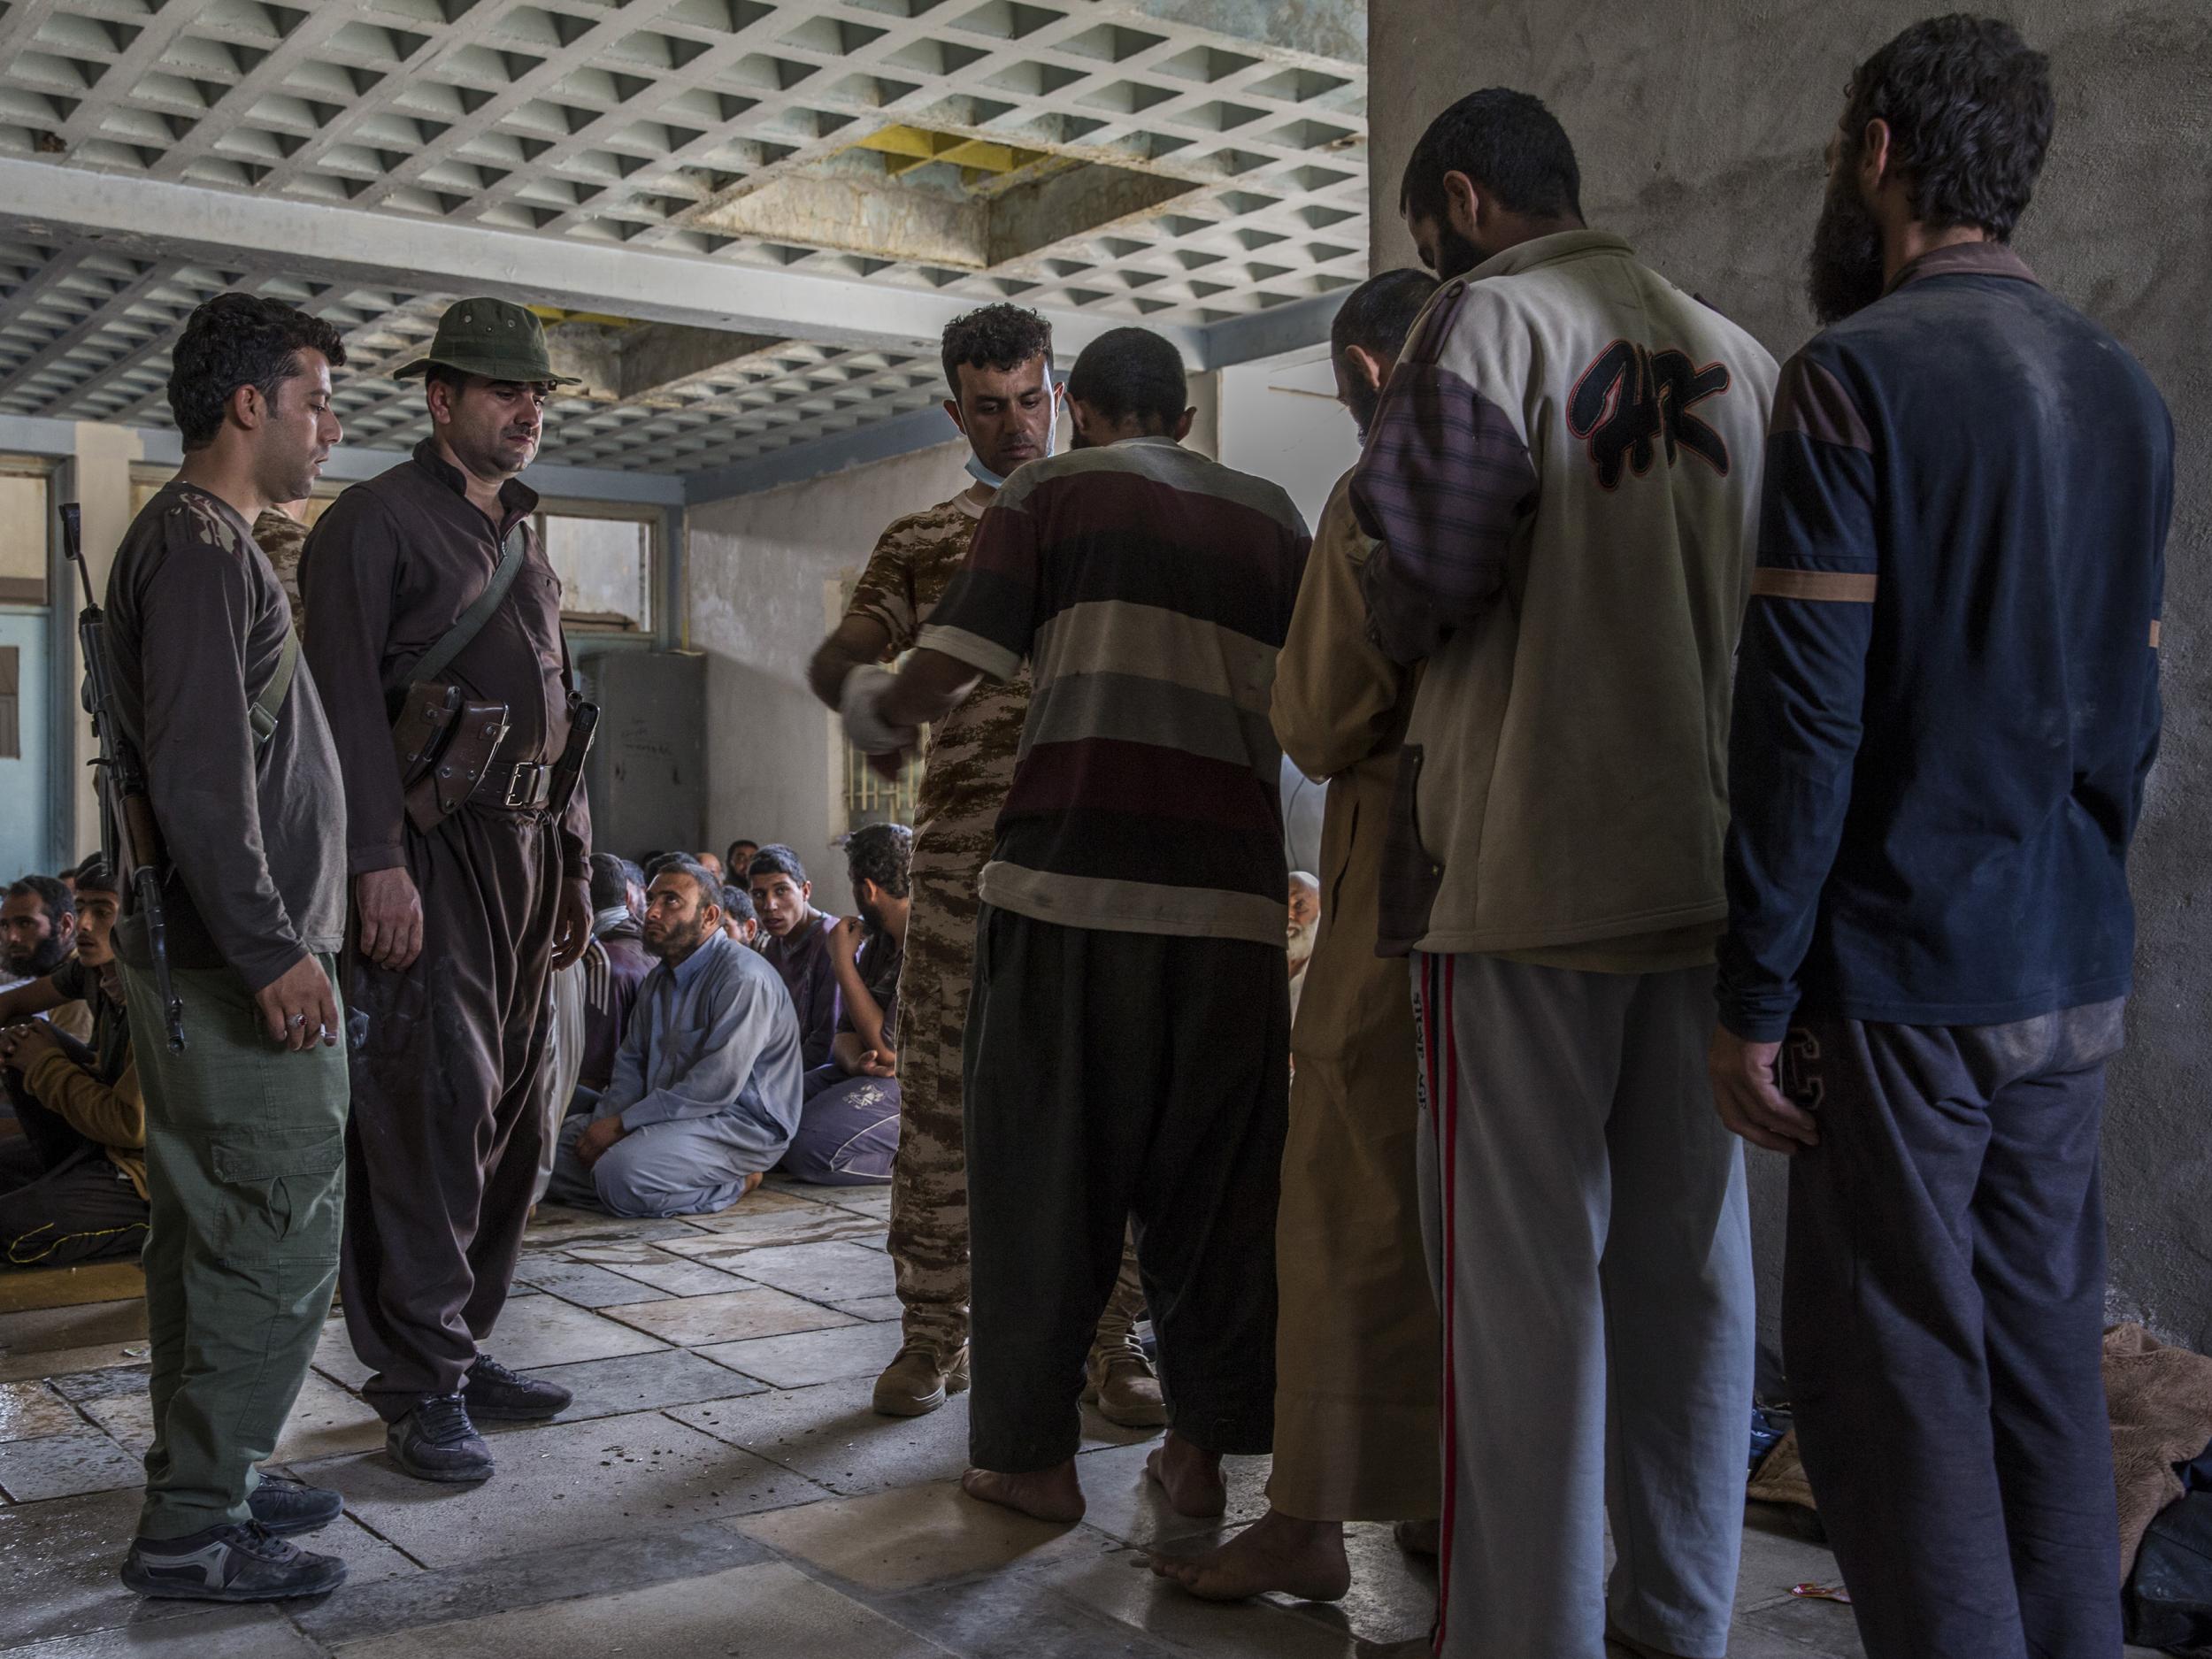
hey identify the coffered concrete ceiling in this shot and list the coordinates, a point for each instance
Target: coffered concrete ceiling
(745, 219)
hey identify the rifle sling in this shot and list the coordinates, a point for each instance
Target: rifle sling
(270, 703)
(470, 622)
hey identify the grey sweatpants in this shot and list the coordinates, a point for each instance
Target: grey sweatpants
(1592, 1251)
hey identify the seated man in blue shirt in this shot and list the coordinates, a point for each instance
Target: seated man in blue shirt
(706, 1086)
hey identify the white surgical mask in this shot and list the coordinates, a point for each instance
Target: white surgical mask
(997, 481)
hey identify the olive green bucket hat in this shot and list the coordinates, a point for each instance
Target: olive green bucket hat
(493, 338)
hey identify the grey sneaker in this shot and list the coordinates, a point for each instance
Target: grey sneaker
(229, 1562)
(495, 1395)
(436, 1441)
(289, 1508)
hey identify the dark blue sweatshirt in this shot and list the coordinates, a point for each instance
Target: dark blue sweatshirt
(1947, 699)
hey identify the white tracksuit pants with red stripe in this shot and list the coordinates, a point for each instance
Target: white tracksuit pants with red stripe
(1592, 1246)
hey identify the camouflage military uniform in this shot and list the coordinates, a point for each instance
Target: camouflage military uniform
(281, 536)
(969, 768)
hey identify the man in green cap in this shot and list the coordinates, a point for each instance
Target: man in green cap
(434, 629)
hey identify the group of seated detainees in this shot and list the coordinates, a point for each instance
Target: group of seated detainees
(736, 1029)
(739, 1030)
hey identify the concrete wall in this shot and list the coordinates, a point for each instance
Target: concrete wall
(1700, 129)
(759, 567)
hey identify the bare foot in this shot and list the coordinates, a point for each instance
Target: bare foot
(1278, 1552)
(1419, 1538)
(1050, 1495)
(1190, 1477)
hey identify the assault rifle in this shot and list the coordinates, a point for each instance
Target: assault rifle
(132, 837)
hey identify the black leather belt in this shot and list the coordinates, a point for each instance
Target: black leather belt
(524, 786)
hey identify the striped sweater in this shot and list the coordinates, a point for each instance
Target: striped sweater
(1149, 588)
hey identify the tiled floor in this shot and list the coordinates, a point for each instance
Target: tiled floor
(719, 1488)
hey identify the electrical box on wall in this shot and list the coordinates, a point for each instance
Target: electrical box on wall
(647, 770)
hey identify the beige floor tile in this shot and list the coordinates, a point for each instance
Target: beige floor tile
(46, 1330)
(1123, 1586)
(61, 1362)
(914, 1535)
(196, 1632)
(807, 1357)
(1125, 1504)
(678, 1276)
(129, 1417)
(831, 1434)
(334, 1356)
(837, 1270)
(801, 1223)
(31, 1410)
(731, 1317)
(327, 1422)
(876, 1308)
(563, 1482)
(545, 1331)
(65, 1466)
(768, 1610)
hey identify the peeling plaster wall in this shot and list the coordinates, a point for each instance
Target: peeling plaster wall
(1700, 131)
(759, 565)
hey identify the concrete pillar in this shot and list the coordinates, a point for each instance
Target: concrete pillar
(1700, 135)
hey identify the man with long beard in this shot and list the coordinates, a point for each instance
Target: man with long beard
(1563, 478)
(427, 580)
(1945, 709)
(706, 1089)
(998, 369)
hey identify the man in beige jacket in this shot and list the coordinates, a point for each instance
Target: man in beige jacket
(1565, 479)
(1356, 1337)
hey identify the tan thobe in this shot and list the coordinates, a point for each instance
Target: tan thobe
(1358, 1354)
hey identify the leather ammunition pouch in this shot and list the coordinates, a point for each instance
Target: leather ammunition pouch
(446, 747)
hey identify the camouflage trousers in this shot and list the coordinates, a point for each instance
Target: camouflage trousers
(929, 1177)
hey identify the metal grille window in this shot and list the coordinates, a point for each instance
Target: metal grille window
(873, 799)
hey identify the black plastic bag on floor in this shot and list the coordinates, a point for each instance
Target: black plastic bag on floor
(2169, 1597)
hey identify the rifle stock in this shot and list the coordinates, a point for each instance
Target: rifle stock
(128, 829)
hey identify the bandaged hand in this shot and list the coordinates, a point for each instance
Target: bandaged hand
(859, 702)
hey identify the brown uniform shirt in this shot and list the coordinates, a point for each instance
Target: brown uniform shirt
(195, 623)
(386, 571)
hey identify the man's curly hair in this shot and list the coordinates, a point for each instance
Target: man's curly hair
(1969, 111)
(883, 854)
(236, 340)
(999, 336)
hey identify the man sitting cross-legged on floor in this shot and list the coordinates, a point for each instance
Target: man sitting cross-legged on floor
(706, 1086)
(848, 1132)
(73, 1188)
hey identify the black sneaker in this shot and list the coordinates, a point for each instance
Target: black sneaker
(499, 1395)
(229, 1562)
(289, 1508)
(436, 1441)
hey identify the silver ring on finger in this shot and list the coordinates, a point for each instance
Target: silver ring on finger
(299, 1020)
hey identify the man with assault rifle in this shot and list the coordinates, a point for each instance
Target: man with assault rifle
(223, 792)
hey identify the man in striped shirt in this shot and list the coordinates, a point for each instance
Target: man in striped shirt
(1130, 1027)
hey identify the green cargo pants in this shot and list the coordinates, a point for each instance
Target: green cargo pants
(245, 1160)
